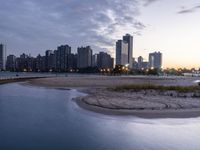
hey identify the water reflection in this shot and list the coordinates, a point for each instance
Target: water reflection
(40, 118)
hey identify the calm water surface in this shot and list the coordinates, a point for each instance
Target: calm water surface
(33, 118)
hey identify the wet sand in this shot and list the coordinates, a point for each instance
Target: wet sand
(141, 104)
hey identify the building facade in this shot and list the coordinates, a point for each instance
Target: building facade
(49, 60)
(121, 53)
(94, 60)
(2, 57)
(140, 62)
(11, 63)
(129, 40)
(84, 57)
(61, 55)
(104, 60)
(72, 62)
(155, 60)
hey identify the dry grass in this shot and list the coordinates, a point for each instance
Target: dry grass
(156, 87)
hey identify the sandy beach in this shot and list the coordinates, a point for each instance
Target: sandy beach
(145, 104)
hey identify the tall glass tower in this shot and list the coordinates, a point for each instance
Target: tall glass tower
(129, 39)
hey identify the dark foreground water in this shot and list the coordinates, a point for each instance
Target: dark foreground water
(33, 118)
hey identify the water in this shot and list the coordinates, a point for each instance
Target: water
(33, 118)
(24, 74)
(7, 74)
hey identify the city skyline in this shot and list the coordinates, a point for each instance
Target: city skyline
(60, 60)
(174, 30)
(64, 60)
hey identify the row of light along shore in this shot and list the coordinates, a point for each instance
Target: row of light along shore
(63, 60)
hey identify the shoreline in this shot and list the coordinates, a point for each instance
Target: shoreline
(145, 114)
(141, 113)
(98, 89)
(18, 79)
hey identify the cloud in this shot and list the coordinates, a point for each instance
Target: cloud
(139, 25)
(188, 10)
(149, 2)
(36, 25)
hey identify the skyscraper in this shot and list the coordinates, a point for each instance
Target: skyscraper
(49, 56)
(121, 53)
(22, 62)
(155, 60)
(11, 63)
(129, 39)
(2, 57)
(104, 60)
(72, 61)
(62, 54)
(94, 60)
(84, 57)
(40, 63)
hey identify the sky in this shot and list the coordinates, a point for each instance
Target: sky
(169, 26)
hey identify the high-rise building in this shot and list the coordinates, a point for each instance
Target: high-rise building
(140, 62)
(94, 60)
(72, 61)
(49, 60)
(2, 57)
(129, 39)
(104, 60)
(25, 63)
(155, 60)
(30, 63)
(22, 63)
(62, 57)
(40, 63)
(84, 57)
(121, 53)
(11, 63)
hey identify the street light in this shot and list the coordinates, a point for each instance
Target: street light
(127, 65)
(126, 69)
